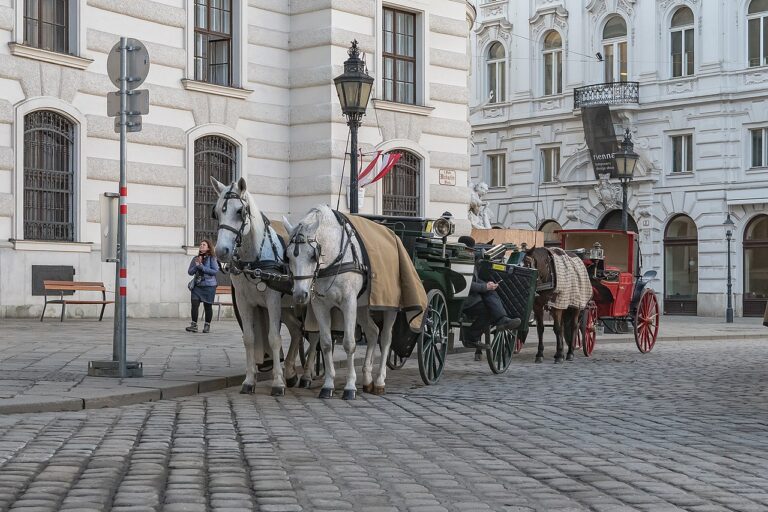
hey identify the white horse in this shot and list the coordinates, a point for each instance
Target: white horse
(244, 241)
(325, 260)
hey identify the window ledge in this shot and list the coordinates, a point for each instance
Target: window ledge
(406, 108)
(62, 59)
(757, 169)
(221, 90)
(680, 174)
(40, 245)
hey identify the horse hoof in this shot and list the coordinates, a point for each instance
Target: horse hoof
(378, 390)
(478, 357)
(569, 357)
(247, 389)
(278, 391)
(349, 394)
(558, 360)
(368, 388)
(305, 383)
(326, 393)
(539, 359)
(292, 381)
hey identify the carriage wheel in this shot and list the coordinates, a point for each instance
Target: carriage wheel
(318, 369)
(394, 361)
(433, 340)
(588, 328)
(499, 351)
(647, 321)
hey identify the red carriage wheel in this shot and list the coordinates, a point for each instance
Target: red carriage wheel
(647, 321)
(588, 328)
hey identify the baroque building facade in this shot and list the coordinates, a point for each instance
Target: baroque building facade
(237, 88)
(687, 77)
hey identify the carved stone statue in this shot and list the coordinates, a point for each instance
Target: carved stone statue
(479, 214)
(609, 194)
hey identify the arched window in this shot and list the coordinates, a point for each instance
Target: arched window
(681, 267)
(553, 63)
(497, 74)
(756, 266)
(214, 156)
(400, 194)
(613, 221)
(757, 31)
(49, 177)
(682, 43)
(615, 50)
(551, 239)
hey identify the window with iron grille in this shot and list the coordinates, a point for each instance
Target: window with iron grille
(400, 195)
(46, 24)
(214, 156)
(213, 41)
(399, 78)
(48, 177)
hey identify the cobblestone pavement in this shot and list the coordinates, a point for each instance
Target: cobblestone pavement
(682, 428)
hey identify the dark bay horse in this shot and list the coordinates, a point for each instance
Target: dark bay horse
(565, 320)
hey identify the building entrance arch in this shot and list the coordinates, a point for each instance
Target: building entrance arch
(612, 220)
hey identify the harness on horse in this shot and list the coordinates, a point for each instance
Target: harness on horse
(272, 272)
(337, 266)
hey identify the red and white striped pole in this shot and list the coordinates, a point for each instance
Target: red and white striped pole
(122, 222)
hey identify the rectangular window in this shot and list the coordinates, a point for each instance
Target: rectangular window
(682, 153)
(550, 159)
(497, 171)
(46, 25)
(213, 41)
(553, 73)
(399, 77)
(757, 141)
(682, 53)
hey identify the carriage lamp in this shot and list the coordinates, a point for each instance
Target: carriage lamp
(729, 227)
(626, 161)
(443, 227)
(597, 252)
(354, 90)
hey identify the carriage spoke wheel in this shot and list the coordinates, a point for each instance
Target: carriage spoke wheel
(647, 321)
(433, 340)
(499, 351)
(394, 361)
(588, 328)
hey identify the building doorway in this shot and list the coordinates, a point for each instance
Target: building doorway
(681, 267)
(756, 266)
(613, 221)
(549, 228)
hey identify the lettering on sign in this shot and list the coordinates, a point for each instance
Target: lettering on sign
(448, 177)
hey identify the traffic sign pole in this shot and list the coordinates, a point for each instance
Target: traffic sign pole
(122, 224)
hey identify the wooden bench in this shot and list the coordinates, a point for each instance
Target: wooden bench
(222, 290)
(72, 286)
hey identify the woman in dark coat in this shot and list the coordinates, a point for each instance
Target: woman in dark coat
(204, 267)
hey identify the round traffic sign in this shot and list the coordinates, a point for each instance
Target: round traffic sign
(138, 63)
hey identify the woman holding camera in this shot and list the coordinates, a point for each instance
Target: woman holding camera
(204, 268)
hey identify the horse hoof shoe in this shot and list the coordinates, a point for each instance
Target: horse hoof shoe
(305, 383)
(292, 381)
(368, 388)
(349, 394)
(378, 390)
(246, 389)
(326, 393)
(278, 391)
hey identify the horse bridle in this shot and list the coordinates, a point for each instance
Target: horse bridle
(299, 239)
(245, 216)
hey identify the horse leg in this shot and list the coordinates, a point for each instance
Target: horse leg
(538, 313)
(323, 316)
(309, 363)
(349, 309)
(371, 335)
(570, 330)
(557, 315)
(294, 328)
(249, 342)
(275, 342)
(386, 343)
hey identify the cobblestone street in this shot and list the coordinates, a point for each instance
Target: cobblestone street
(681, 428)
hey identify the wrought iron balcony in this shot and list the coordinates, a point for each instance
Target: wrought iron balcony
(614, 93)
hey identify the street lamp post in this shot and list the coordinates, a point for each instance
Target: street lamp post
(729, 225)
(354, 90)
(626, 161)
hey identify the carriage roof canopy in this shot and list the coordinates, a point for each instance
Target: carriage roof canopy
(619, 246)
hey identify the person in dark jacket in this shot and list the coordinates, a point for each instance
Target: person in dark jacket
(484, 305)
(204, 268)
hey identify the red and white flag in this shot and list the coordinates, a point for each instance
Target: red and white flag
(380, 167)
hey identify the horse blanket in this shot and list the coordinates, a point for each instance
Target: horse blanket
(572, 288)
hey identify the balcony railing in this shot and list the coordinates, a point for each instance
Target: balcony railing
(614, 93)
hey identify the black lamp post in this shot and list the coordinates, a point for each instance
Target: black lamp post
(626, 160)
(729, 225)
(354, 90)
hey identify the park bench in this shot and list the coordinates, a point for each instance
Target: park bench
(61, 287)
(225, 291)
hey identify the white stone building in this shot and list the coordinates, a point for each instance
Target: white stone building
(698, 117)
(238, 88)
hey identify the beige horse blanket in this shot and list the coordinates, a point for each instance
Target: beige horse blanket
(572, 286)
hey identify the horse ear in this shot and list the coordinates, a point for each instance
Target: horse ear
(288, 226)
(242, 185)
(217, 185)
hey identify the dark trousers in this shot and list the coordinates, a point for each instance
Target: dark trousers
(486, 313)
(196, 308)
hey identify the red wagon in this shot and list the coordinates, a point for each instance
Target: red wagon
(619, 292)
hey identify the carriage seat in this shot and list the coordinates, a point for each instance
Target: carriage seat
(581, 253)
